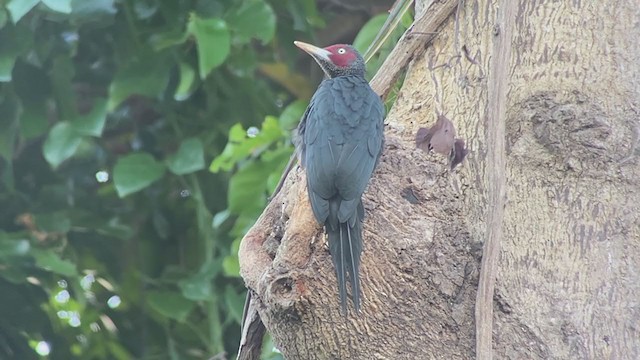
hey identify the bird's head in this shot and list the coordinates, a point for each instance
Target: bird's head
(335, 60)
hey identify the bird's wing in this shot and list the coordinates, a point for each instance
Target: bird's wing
(343, 140)
(360, 154)
(298, 135)
(319, 150)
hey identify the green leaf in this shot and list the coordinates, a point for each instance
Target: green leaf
(390, 25)
(135, 172)
(118, 351)
(161, 41)
(116, 228)
(231, 152)
(170, 304)
(305, 15)
(92, 123)
(406, 20)
(198, 287)
(13, 248)
(248, 188)
(231, 266)
(7, 176)
(276, 160)
(3, 17)
(269, 350)
(161, 225)
(53, 222)
(93, 10)
(213, 41)
(10, 110)
(368, 33)
(187, 82)
(240, 145)
(220, 218)
(377, 36)
(19, 8)
(50, 261)
(292, 114)
(33, 121)
(253, 19)
(62, 142)
(147, 75)
(61, 6)
(62, 76)
(294, 82)
(13, 43)
(145, 9)
(189, 158)
(235, 303)
(15, 274)
(242, 224)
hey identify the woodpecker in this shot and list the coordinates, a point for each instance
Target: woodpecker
(339, 143)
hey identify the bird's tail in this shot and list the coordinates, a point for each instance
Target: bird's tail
(345, 245)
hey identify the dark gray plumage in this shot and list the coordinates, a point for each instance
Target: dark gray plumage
(340, 142)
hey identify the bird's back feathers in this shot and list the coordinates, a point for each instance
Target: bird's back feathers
(340, 142)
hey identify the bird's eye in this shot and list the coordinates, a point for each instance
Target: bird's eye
(341, 51)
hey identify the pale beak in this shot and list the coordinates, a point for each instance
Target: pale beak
(316, 52)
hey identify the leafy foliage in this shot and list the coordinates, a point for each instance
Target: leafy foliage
(122, 207)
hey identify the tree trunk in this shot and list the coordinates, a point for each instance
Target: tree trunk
(528, 250)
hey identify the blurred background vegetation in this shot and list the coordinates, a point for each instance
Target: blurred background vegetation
(139, 140)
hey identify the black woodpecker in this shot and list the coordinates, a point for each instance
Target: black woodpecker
(340, 139)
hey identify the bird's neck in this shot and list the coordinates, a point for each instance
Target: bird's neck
(338, 72)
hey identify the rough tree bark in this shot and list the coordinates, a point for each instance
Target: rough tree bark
(530, 249)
